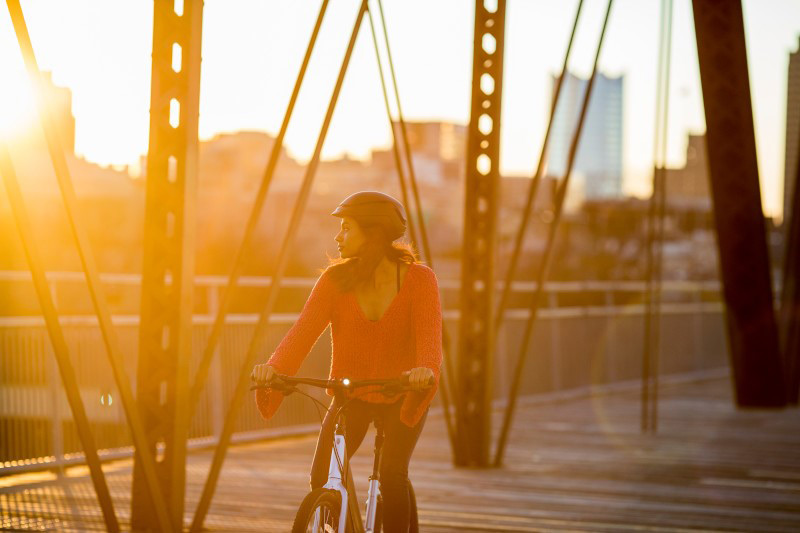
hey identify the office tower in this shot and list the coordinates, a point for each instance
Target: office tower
(599, 157)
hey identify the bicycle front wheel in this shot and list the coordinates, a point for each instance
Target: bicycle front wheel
(319, 512)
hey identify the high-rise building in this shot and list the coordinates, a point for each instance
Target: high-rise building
(792, 130)
(599, 158)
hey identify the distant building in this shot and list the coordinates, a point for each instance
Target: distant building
(437, 140)
(438, 152)
(236, 161)
(689, 185)
(60, 100)
(792, 130)
(599, 158)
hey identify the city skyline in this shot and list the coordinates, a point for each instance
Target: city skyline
(101, 52)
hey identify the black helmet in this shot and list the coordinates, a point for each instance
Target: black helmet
(375, 208)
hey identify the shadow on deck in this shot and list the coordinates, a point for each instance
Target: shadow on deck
(573, 463)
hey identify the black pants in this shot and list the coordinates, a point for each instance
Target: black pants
(397, 449)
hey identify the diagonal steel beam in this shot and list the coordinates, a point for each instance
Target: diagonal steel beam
(561, 194)
(536, 181)
(738, 216)
(256, 344)
(655, 229)
(249, 234)
(89, 265)
(443, 376)
(448, 374)
(60, 348)
(790, 296)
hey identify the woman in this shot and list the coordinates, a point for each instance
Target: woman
(386, 321)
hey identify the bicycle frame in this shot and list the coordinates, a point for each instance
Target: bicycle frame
(374, 479)
(336, 478)
(340, 478)
(339, 482)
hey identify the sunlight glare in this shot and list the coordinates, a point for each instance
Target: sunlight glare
(17, 108)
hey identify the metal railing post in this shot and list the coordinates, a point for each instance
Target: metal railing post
(611, 336)
(555, 343)
(215, 390)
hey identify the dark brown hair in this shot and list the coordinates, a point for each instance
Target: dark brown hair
(353, 271)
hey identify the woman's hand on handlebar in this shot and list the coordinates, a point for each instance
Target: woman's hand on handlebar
(419, 378)
(263, 373)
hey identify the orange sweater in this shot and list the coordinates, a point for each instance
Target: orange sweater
(408, 335)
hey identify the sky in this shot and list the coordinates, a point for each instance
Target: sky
(252, 50)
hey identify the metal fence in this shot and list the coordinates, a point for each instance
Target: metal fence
(572, 347)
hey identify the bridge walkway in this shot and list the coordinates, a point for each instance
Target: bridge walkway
(575, 462)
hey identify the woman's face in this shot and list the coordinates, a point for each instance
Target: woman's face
(350, 238)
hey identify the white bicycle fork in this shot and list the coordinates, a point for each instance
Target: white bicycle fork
(335, 482)
(338, 456)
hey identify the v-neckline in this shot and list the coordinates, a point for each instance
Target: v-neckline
(391, 304)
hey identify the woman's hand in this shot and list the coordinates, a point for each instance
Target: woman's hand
(263, 373)
(419, 377)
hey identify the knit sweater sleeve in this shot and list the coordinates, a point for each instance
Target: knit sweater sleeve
(427, 319)
(298, 341)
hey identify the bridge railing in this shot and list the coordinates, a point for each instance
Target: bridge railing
(573, 346)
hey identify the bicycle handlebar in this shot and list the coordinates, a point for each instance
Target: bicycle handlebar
(339, 385)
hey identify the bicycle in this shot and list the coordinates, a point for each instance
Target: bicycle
(321, 509)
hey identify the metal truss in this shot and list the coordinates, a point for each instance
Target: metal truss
(168, 270)
(544, 266)
(790, 297)
(60, 348)
(420, 237)
(741, 234)
(476, 328)
(256, 347)
(58, 159)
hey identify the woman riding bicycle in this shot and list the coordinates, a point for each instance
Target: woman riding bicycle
(386, 321)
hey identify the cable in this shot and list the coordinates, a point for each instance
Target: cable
(537, 178)
(281, 263)
(655, 229)
(238, 263)
(447, 370)
(543, 268)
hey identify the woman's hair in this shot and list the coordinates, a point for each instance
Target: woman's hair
(353, 271)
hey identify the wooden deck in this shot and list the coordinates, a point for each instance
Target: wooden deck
(573, 464)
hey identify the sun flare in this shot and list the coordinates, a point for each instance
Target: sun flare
(17, 109)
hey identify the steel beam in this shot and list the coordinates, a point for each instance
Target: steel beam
(544, 266)
(651, 351)
(476, 327)
(790, 297)
(741, 234)
(167, 272)
(256, 347)
(63, 177)
(60, 349)
(201, 374)
(536, 180)
(446, 370)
